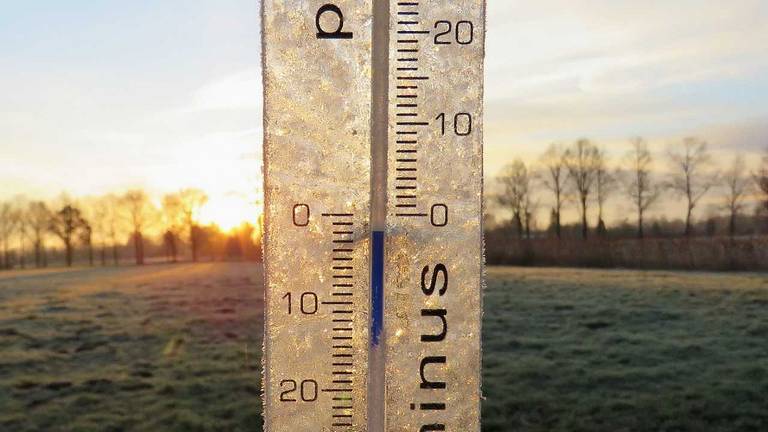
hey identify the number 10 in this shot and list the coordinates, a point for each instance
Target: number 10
(462, 124)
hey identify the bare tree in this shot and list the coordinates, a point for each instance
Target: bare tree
(554, 179)
(66, 224)
(638, 181)
(737, 183)
(515, 183)
(86, 238)
(39, 218)
(21, 223)
(605, 181)
(173, 222)
(99, 209)
(112, 221)
(761, 179)
(7, 227)
(139, 211)
(581, 164)
(191, 201)
(690, 177)
(531, 206)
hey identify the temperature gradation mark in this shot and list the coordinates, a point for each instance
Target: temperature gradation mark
(342, 304)
(317, 174)
(433, 264)
(373, 187)
(407, 108)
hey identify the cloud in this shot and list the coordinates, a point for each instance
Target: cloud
(552, 52)
(609, 70)
(751, 136)
(240, 90)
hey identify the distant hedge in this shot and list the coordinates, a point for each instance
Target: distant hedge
(748, 253)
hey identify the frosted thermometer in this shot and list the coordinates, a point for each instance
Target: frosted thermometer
(373, 215)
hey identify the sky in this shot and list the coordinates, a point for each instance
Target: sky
(98, 97)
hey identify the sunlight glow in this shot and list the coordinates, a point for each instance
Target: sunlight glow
(229, 212)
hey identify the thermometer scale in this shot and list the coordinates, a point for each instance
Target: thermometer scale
(373, 214)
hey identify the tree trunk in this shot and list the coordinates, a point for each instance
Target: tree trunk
(602, 230)
(688, 228)
(518, 225)
(528, 226)
(193, 241)
(115, 258)
(38, 258)
(732, 224)
(584, 227)
(138, 244)
(68, 253)
(174, 251)
(640, 233)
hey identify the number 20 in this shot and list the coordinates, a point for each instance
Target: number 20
(307, 391)
(464, 33)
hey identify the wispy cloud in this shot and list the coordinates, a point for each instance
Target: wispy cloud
(539, 49)
(611, 70)
(240, 90)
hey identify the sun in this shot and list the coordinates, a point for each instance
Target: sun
(228, 212)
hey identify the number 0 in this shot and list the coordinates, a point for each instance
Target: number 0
(439, 215)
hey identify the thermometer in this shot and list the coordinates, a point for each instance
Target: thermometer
(373, 214)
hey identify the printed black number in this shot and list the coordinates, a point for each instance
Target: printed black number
(307, 303)
(438, 215)
(448, 26)
(285, 394)
(308, 390)
(301, 215)
(462, 124)
(464, 33)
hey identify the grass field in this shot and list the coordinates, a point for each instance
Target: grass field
(614, 351)
(163, 348)
(177, 348)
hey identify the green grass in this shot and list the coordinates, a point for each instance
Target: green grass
(156, 349)
(177, 348)
(584, 350)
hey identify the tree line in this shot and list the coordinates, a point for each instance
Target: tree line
(104, 226)
(582, 174)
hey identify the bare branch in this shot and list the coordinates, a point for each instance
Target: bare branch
(554, 179)
(638, 182)
(581, 164)
(737, 186)
(515, 182)
(761, 179)
(691, 176)
(140, 212)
